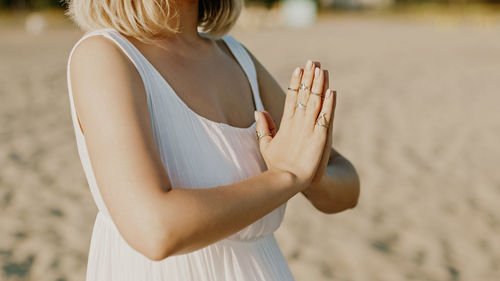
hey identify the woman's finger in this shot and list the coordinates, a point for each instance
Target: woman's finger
(291, 96)
(330, 126)
(326, 114)
(270, 122)
(314, 103)
(262, 131)
(326, 84)
(325, 88)
(305, 88)
(316, 64)
(332, 119)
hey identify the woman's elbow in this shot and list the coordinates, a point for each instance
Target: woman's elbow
(355, 187)
(158, 247)
(156, 254)
(152, 237)
(348, 201)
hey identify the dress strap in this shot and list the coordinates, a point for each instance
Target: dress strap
(248, 66)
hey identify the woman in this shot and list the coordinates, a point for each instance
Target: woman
(185, 190)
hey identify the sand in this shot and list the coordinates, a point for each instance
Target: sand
(418, 114)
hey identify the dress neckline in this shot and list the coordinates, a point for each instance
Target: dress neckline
(183, 104)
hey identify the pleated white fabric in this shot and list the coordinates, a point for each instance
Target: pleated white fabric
(197, 153)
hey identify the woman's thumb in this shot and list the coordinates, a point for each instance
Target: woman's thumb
(262, 130)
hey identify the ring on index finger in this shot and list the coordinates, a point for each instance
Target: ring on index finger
(293, 90)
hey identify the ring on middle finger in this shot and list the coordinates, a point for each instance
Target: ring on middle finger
(303, 87)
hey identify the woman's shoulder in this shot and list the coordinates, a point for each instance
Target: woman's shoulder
(98, 70)
(91, 43)
(95, 53)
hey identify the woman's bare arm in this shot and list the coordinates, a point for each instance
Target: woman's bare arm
(153, 218)
(206, 215)
(339, 188)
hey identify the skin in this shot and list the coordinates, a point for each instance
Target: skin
(335, 186)
(153, 218)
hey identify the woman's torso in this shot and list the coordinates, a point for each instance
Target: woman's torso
(196, 151)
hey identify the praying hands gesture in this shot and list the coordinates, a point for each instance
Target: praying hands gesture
(302, 144)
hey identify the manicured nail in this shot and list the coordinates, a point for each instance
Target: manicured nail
(297, 71)
(329, 93)
(256, 115)
(316, 73)
(308, 64)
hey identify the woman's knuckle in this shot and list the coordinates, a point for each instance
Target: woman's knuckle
(314, 102)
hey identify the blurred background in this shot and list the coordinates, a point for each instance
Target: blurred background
(418, 114)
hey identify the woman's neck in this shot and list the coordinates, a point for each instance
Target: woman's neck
(187, 41)
(188, 28)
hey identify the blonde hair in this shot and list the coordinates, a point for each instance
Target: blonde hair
(148, 20)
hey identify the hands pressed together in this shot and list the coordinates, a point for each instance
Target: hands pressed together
(302, 144)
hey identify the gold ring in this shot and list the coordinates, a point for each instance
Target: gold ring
(322, 116)
(294, 90)
(318, 94)
(259, 136)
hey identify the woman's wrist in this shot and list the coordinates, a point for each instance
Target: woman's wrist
(287, 179)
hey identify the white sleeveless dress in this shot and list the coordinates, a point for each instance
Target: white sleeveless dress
(197, 153)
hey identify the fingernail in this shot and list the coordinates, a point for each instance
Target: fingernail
(316, 73)
(308, 64)
(297, 71)
(329, 93)
(256, 115)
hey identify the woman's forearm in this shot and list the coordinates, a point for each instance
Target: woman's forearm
(198, 217)
(338, 189)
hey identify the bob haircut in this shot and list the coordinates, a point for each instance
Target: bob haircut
(148, 20)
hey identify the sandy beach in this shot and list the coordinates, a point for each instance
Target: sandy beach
(418, 114)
